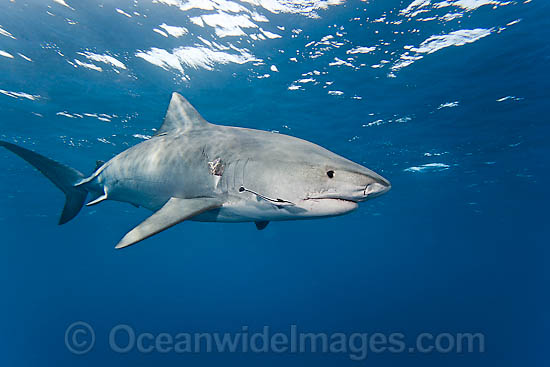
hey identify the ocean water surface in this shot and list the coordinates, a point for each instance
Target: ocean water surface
(447, 99)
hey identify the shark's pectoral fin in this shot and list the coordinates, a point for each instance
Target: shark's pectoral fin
(173, 212)
(261, 224)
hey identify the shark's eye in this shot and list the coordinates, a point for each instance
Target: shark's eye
(330, 174)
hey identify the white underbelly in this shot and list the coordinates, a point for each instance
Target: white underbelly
(246, 211)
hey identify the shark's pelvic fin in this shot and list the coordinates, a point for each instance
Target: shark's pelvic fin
(173, 212)
(181, 116)
(261, 224)
(99, 198)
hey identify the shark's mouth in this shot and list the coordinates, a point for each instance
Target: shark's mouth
(328, 206)
(332, 198)
(369, 192)
(282, 203)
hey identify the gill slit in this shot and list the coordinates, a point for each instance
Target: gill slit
(244, 170)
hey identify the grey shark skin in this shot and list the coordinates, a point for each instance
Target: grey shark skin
(194, 170)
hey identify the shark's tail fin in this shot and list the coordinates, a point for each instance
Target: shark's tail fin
(62, 176)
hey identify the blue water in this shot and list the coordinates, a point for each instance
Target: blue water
(446, 100)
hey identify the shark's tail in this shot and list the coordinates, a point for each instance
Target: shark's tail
(62, 176)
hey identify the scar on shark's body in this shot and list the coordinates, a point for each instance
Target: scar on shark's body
(251, 176)
(216, 167)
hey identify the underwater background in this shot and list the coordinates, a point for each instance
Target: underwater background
(448, 100)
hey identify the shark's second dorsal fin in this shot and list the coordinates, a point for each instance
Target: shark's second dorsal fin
(181, 116)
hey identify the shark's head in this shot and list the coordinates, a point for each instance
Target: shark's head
(310, 181)
(342, 182)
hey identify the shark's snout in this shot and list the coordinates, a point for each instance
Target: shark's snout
(376, 189)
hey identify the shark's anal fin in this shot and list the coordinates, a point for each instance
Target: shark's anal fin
(261, 224)
(175, 211)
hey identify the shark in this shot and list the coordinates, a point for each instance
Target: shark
(192, 169)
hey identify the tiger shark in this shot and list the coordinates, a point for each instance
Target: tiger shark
(195, 170)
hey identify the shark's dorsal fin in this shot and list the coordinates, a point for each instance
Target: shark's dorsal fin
(181, 116)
